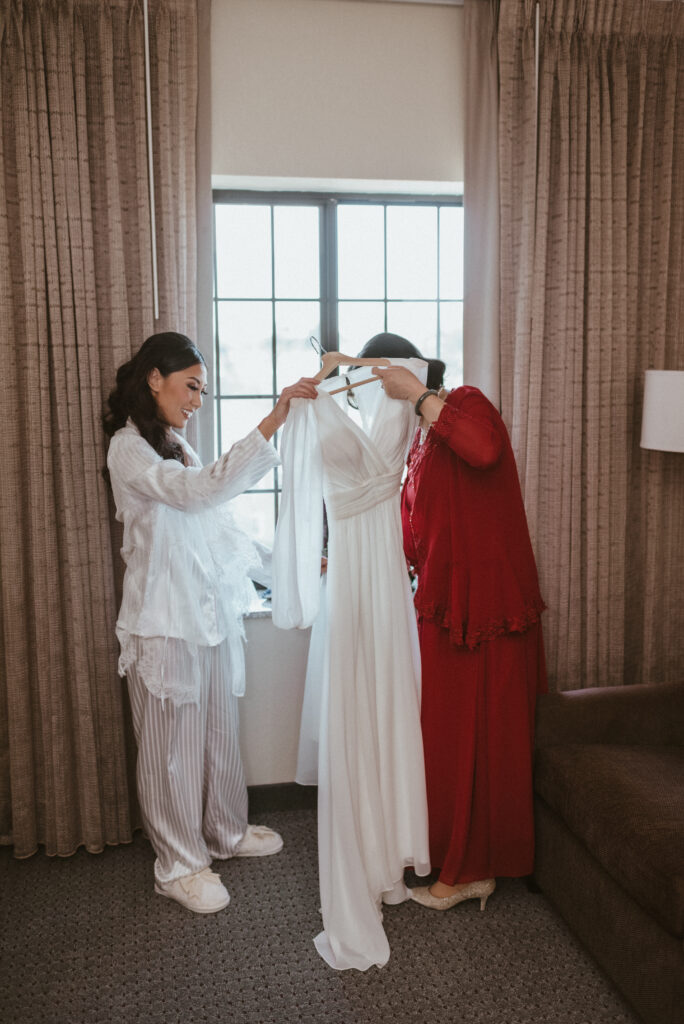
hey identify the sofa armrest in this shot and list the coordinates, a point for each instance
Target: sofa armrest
(651, 714)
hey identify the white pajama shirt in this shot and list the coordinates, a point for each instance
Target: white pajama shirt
(186, 588)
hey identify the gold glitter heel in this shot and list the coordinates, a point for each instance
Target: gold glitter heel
(470, 891)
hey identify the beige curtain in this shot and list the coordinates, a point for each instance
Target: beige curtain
(75, 300)
(201, 430)
(592, 294)
(481, 361)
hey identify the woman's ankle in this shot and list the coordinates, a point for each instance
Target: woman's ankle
(440, 888)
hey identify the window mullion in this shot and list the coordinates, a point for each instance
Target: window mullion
(384, 234)
(217, 346)
(328, 263)
(439, 304)
(274, 355)
(273, 305)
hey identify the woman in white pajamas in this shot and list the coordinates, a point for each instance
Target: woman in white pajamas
(186, 588)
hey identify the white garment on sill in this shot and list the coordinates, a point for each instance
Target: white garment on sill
(372, 808)
(188, 566)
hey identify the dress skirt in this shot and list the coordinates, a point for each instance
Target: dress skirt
(478, 728)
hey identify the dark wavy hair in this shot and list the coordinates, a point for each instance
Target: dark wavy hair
(167, 352)
(393, 346)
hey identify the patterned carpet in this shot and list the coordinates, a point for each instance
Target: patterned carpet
(86, 941)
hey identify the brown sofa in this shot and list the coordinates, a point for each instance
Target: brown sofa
(609, 803)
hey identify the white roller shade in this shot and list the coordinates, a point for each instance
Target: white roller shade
(662, 425)
(337, 89)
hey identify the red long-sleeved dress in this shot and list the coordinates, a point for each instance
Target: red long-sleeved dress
(479, 610)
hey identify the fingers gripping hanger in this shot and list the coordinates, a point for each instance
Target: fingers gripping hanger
(331, 360)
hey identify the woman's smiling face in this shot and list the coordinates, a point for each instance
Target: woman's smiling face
(178, 395)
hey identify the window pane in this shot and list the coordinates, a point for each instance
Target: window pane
(296, 252)
(255, 514)
(411, 252)
(416, 321)
(238, 417)
(357, 322)
(451, 325)
(361, 252)
(244, 345)
(295, 322)
(243, 251)
(451, 252)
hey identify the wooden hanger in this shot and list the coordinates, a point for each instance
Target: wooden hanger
(331, 360)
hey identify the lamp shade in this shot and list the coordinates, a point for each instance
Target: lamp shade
(662, 425)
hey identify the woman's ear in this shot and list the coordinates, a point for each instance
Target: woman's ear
(154, 379)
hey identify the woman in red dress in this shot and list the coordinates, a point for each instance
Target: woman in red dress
(479, 610)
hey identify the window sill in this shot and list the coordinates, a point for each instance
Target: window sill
(262, 612)
(259, 609)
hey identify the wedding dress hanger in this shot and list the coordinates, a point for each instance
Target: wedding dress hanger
(331, 360)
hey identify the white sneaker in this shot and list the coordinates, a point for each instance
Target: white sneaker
(203, 892)
(259, 841)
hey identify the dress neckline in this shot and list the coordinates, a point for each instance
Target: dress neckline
(367, 435)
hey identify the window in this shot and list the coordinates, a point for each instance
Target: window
(341, 268)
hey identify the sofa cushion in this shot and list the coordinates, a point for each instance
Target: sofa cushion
(626, 804)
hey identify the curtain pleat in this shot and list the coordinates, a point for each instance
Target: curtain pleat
(592, 203)
(75, 302)
(481, 223)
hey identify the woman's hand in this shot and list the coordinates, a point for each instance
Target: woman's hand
(304, 388)
(399, 382)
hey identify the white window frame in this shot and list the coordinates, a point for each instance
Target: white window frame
(328, 203)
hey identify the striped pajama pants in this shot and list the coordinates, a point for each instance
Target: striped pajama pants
(191, 784)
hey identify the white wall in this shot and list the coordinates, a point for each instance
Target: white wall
(337, 89)
(272, 704)
(334, 89)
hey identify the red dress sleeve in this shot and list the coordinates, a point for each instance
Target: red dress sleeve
(469, 429)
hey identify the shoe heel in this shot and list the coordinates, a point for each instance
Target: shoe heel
(485, 896)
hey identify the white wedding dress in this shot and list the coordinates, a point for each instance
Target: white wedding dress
(372, 809)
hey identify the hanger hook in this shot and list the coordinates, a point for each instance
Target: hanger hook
(316, 346)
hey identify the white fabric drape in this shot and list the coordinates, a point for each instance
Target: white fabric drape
(310, 724)
(372, 810)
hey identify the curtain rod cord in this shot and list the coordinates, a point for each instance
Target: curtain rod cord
(150, 163)
(537, 65)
